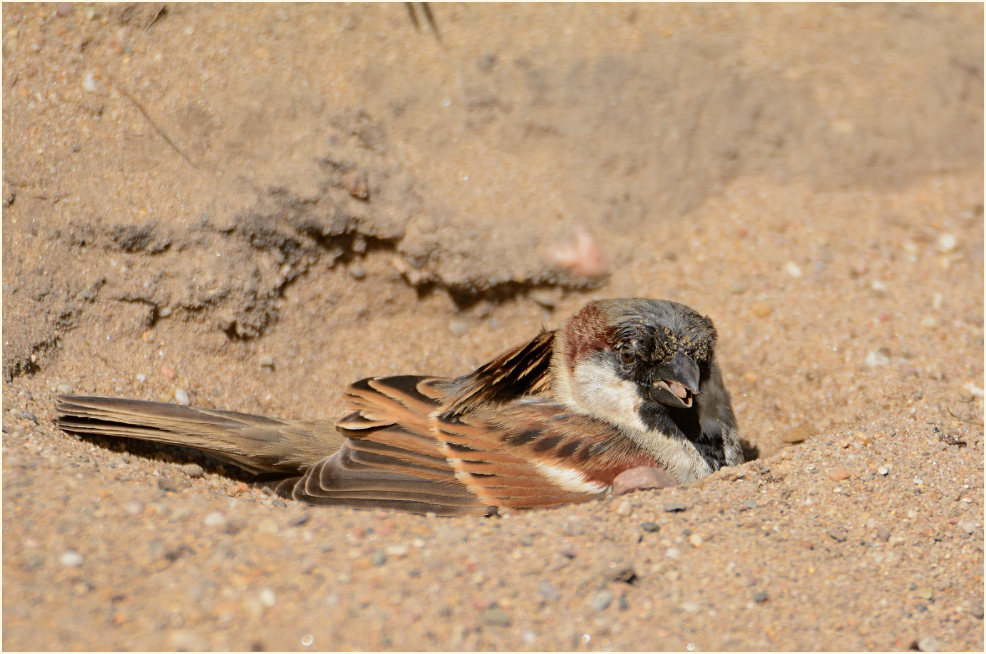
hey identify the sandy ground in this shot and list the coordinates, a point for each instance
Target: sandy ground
(258, 204)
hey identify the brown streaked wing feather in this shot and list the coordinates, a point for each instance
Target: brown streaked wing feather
(534, 452)
(520, 371)
(344, 480)
(391, 460)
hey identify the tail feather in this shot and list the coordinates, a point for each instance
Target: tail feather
(254, 443)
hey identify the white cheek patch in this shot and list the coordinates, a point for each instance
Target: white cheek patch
(569, 479)
(599, 392)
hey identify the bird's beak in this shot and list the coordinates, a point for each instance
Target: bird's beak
(678, 382)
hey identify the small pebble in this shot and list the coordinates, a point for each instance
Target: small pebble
(601, 600)
(356, 184)
(760, 597)
(968, 526)
(876, 358)
(70, 559)
(357, 271)
(187, 641)
(672, 553)
(695, 540)
(839, 474)
(457, 327)
(650, 527)
(378, 558)
(89, 82)
(397, 551)
(214, 519)
(64, 389)
(838, 534)
(265, 361)
(882, 534)
(947, 243)
(496, 617)
(267, 597)
(883, 470)
(141, 378)
(167, 372)
(878, 288)
(799, 434)
(928, 644)
(624, 508)
(760, 310)
(193, 470)
(181, 397)
(546, 299)
(792, 269)
(167, 484)
(924, 592)
(547, 591)
(675, 507)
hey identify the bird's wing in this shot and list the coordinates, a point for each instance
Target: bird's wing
(391, 459)
(519, 372)
(404, 452)
(536, 452)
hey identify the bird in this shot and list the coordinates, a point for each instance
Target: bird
(622, 385)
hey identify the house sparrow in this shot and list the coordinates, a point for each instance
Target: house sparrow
(623, 384)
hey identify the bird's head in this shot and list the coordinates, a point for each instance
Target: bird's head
(629, 359)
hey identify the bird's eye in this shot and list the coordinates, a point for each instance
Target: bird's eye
(626, 357)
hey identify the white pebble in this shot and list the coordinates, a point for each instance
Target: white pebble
(181, 397)
(883, 470)
(267, 597)
(89, 82)
(71, 559)
(672, 553)
(792, 269)
(876, 358)
(215, 519)
(947, 243)
(397, 551)
(141, 378)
